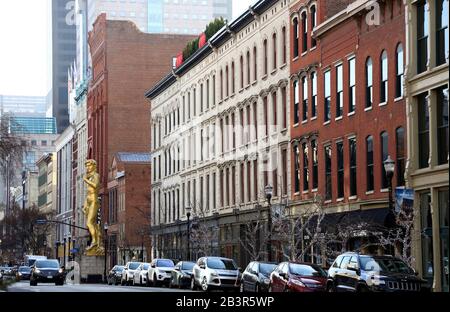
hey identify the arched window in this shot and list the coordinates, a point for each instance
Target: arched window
(221, 84)
(255, 64)
(233, 78)
(400, 153)
(369, 164)
(383, 77)
(274, 43)
(384, 140)
(242, 71)
(227, 81)
(296, 102)
(314, 94)
(313, 13)
(296, 38)
(265, 57)
(369, 83)
(399, 70)
(304, 32)
(248, 68)
(304, 98)
(283, 32)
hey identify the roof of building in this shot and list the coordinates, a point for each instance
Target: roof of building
(134, 157)
(216, 41)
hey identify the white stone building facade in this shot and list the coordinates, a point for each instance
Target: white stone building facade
(220, 134)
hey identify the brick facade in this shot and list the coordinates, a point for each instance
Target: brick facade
(125, 62)
(346, 36)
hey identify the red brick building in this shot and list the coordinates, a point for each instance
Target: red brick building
(348, 110)
(129, 207)
(125, 62)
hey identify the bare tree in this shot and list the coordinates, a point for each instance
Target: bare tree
(11, 147)
(202, 235)
(400, 237)
(254, 238)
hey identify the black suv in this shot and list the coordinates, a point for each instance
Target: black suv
(357, 272)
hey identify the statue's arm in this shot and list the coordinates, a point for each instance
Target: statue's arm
(94, 183)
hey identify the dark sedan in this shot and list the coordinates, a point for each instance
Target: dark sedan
(23, 273)
(115, 275)
(182, 274)
(256, 277)
(47, 271)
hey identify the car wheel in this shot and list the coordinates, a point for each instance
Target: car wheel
(59, 283)
(331, 287)
(140, 281)
(33, 283)
(205, 284)
(362, 288)
(155, 281)
(122, 282)
(193, 286)
(257, 289)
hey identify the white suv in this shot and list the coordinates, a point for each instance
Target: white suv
(140, 276)
(160, 272)
(215, 273)
(128, 273)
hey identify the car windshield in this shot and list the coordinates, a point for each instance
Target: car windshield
(134, 265)
(24, 269)
(165, 264)
(188, 266)
(47, 264)
(118, 269)
(266, 268)
(221, 264)
(307, 270)
(145, 266)
(385, 265)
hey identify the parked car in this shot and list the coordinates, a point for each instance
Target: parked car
(115, 275)
(160, 272)
(128, 273)
(358, 273)
(256, 277)
(215, 273)
(140, 276)
(23, 273)
(298, 277)
(47, 271)
(182, 274)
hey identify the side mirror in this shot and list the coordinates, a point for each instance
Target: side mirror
(240, 269)
(283, 275)
(202, 266)
(153, 266)
(177, 269)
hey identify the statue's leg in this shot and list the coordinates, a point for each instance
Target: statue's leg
(92, 223)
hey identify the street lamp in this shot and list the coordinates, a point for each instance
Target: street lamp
(57, 243)
(64, 254)
(188, 215)
(105, 228)
(268, 191)
(389, 168)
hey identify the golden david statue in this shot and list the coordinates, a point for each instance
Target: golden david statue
(91, 207)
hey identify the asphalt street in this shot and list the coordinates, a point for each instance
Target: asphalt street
(25, 287)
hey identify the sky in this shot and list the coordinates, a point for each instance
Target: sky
(24, 45)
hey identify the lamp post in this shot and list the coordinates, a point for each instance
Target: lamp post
(268, 191)
(105, 228)
(188, 215)
(389, 167)
(69, 253)
(64, 254)
(57, 243)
